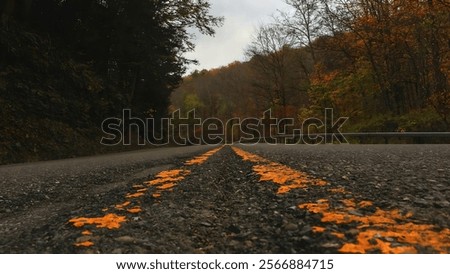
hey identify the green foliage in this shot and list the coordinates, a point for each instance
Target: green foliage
(191, 101)
(425, 120)
(377, 123)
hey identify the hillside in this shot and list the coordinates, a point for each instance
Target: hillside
(66, 66)
(383, 64)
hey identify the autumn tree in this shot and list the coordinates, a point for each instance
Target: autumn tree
(277, 76)
(398, 39)
(303, 23)
(385, 63)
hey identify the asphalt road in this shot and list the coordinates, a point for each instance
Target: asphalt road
(32, 193)
(234, 199)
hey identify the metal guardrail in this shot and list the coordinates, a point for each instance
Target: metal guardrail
(365, 135)
(371, 134)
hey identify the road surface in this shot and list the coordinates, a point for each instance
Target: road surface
(232, 199)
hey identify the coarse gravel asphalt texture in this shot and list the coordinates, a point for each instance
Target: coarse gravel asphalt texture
(234, 199)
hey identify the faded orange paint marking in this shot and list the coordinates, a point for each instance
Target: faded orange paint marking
(339, 190)
(84, 244)
(408, 234)
(315, 208)
(379, 230)
(365, 204)
(338, 235)
(135, 210)
(175, 175)
(166, 186)
(318, 229)
(349, 203)
(164, 181)
(285, 176)
(110, 221)
(246, 156)
(122, 206)
(202, 158)
(142, 190)
(134, 195)
(379, 217)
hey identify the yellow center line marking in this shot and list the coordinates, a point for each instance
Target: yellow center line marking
(338, 235)
(86, 233)
(142, 190)
(110, 221)
(288, 178)
(339, 190)
(382, 231)
(134, 195)
(135, 210)
(166, 186)
(318, 229)
(379, 231)
(203, 158)
(122, 206)
(365, 204)
(84, 244)
(163, 182)
(171, 176)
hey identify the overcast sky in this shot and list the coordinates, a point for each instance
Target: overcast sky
(242, 17)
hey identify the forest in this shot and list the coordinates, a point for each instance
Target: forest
(383, 63)
(66, 65)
